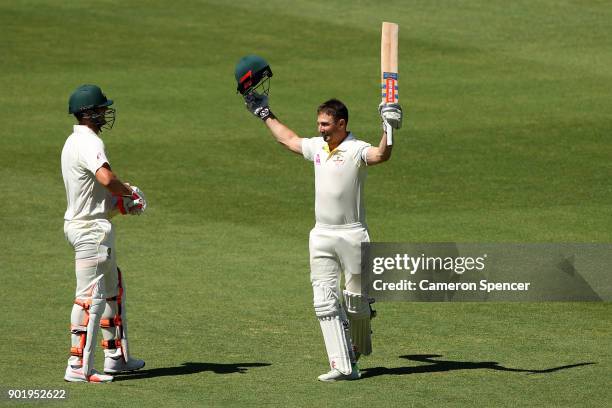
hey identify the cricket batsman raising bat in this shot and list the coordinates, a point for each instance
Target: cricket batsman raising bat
(389, 79)
(340, 164)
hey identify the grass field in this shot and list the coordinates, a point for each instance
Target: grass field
(507, 138)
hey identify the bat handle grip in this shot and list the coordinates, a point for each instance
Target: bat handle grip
(389, 132)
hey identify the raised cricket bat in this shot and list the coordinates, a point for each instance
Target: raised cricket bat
(388, 69)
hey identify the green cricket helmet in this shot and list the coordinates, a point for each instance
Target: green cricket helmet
(84, 101)
(253, 74)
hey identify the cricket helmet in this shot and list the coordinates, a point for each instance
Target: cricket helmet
(84, 101)
(253, 74)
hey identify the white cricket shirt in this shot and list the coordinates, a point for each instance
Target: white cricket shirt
(83, 154)
(339, 179)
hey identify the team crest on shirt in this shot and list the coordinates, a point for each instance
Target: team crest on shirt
(338, 158)
(317, 159)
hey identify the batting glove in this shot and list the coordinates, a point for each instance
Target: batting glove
(139, 202)
(134, 204)
(391, 114)
(258, 105)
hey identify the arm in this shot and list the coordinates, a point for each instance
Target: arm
(126, 199)
(258, 105)
(283, 135)
(391, 115)
(107, 178)
(379, 154)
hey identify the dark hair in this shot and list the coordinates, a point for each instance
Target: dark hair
(335, 109)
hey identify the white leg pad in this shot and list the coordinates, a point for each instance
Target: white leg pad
(335, 328)
(85, 320)
(359, 315)
(114, 324)
(123, 313)
(111, 328)
(95, 314)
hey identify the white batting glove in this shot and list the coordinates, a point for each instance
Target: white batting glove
(391, 114)
(137, 202)
(134, 204)
(258, 105)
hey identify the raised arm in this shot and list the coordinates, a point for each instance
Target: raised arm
(258, 105)
(284, 135)
(391, 115)
(379, 154)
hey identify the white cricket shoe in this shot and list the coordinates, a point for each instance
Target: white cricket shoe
(114, 365)
(75, 374)
(335, 375)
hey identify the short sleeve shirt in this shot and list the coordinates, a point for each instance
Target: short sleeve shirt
(83, 154)
(339, 179)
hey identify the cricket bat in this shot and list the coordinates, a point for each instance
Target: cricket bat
(388, 69)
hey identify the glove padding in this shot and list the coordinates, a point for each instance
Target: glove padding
(391, 114)
(134, 204)
(258, 105)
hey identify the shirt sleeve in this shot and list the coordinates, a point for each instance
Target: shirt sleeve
(308, 148)
(362, 152)
(93, 155)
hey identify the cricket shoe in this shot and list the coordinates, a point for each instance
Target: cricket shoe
(335, 375)
(115, 365)
(75, 374)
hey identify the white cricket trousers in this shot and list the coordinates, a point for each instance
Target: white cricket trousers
(335, 249)
(95, 261)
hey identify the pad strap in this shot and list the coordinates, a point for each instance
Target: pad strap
(78, 351)
(108, 323)
(84, 303)
(111, 344)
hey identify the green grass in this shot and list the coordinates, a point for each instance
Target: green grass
(506, 139)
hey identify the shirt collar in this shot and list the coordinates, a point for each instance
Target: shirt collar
(347, 138)
(83, 129)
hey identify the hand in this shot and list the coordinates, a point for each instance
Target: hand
(134, 204)
(258, 105)
(391, 114)
(138, 202)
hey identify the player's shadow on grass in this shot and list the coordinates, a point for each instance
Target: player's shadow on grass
(436, 366)
(189, 368)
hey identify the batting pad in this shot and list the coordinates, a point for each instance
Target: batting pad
(114, 324)
(85, 319)
(95, 314)
(123, 314)
(359, 315)
(334, 326)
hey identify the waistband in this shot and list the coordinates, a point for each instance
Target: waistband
(353, 225)
(81, 222)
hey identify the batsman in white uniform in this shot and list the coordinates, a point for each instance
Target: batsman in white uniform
(340, 165)
(94, 193)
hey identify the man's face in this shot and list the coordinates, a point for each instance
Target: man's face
(99, 118)
(329, 128)
(101, 112)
